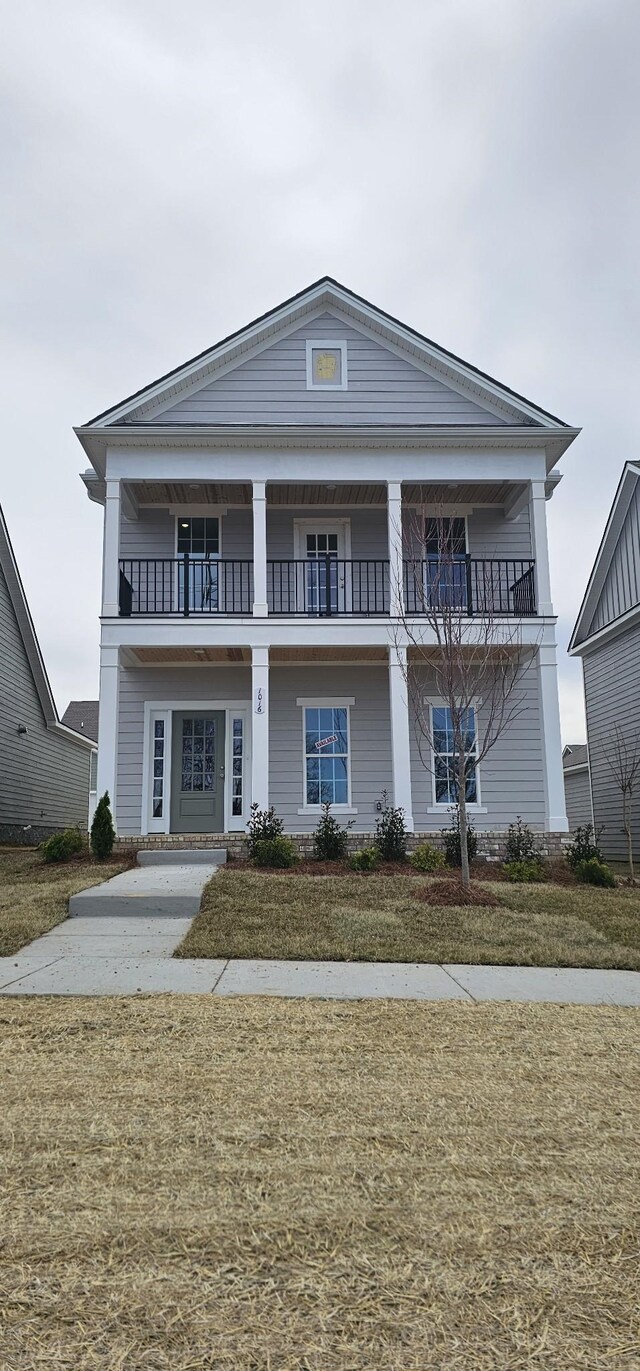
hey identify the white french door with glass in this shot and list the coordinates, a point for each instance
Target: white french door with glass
(322, 551)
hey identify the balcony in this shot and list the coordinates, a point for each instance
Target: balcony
(326, 587)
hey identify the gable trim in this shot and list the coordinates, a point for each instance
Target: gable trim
(327, 293)
(604, 556)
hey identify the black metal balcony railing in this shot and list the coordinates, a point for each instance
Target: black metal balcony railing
(325, 587)
(185, 585)
(487, 585)
(321, 587)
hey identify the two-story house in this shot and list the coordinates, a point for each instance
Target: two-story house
(261, 504)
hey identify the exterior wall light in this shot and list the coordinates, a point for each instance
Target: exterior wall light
(22, 728)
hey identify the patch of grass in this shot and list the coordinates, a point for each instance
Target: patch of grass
(315, 1185)
(34, 896)
(387, 918)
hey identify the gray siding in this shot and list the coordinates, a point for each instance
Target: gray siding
(44, 777)
(621, 590)
(511, 777)
(272, 388)
(489, 533)
(612, 695)
(153, 534)
(577, 794)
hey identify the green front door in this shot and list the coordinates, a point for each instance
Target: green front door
(197, 772)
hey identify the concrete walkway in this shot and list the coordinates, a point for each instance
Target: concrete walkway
(120, 937)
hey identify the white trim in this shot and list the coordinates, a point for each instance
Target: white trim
(578, 766)
(165, 708)
(610, 630)
(604, 557)
(334, 703)
(336, 345)
(326, 701)
(437, 807)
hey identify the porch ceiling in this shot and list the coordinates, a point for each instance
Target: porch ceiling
(316, 493)
(167, 656)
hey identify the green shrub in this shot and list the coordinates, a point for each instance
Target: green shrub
(61, 846)
(451, 840)
(391, 835)
(525, 871)
(584, 847)
(330, 840)
(103, 834)
(275, 852)
(426, 858)
(594, 872)
(263, 826)
(366, 859)
(521, 844)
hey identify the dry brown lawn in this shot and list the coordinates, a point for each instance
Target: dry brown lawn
(353, 917)
(197, 1183)
(34, 897)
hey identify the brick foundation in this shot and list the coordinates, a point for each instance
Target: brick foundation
(490, 844)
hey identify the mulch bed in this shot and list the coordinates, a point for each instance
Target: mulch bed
(452, 892)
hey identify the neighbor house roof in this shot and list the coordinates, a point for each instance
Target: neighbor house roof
(82, 716)
(575, 755)
(619, 510)
(9, 568)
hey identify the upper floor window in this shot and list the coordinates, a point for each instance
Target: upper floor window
(199, 537)
(445, 538)
(326, 364)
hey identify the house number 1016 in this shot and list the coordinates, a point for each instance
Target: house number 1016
(260, 700)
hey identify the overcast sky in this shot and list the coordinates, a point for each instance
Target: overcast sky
(171, 171)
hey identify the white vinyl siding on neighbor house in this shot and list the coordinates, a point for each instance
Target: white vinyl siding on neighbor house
(271, 387)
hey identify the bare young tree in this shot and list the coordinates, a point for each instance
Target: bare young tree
(621, 750)
(461, 621)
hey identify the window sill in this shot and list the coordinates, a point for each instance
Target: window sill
(335, 809)
(471, 809)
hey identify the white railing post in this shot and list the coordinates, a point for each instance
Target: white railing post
(394, 535)
(111, 551)
(540, 544)
(260, 607)
(400, 734)
(260, 727)
(556, 817)
(108, 725)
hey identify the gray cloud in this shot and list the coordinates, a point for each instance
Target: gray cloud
(170, 172)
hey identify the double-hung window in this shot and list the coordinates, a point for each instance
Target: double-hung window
(445, 756)
(200, 538)
(326, 755)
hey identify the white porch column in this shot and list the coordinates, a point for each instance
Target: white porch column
(538, 518)
(108, 725)
(111, 551)
(394, 527)
(260, 727)
(260, 607)
(555, 818)
(400, 739)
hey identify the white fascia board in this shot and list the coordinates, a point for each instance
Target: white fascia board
(251, 632)
(89, 744)
(612, 630)
(579, 766)
(370, 465)
(608, 544)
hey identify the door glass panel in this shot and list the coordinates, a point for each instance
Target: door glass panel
(201, 539)
(198, 755)
(322, 573)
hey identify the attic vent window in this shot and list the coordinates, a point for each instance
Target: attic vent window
(326, 364)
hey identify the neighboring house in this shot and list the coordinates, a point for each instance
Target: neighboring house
(577, 787)
(82, 716)
(44, 765)
(607, 638)
(258, 503)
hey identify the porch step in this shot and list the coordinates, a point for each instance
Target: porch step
(180, 856)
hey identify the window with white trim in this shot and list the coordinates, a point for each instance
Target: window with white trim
(326, 364)
(445, 762)
(326, 759)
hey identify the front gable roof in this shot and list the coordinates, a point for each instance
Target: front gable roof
(326, 294)
(587, 625)
(26, 629)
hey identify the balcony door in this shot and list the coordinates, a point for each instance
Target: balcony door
(200, 538)
(321, 550)
(445, 542)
